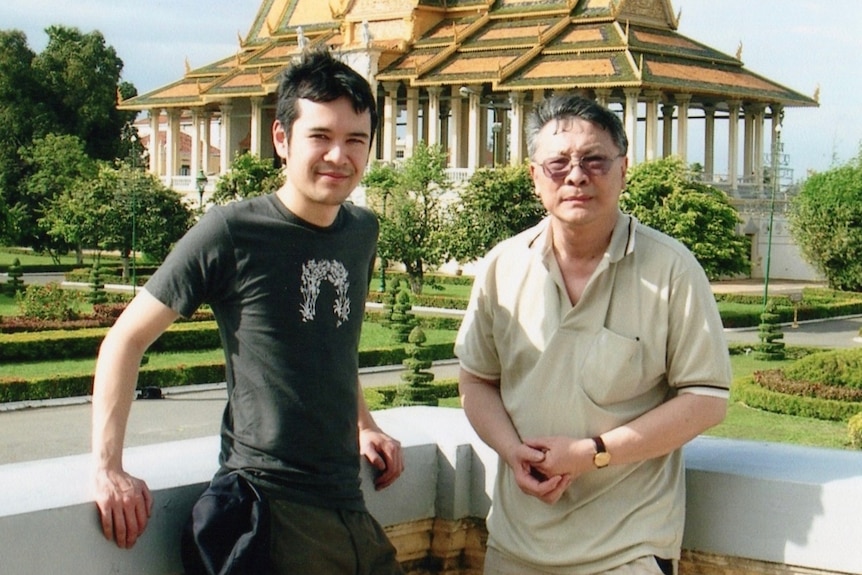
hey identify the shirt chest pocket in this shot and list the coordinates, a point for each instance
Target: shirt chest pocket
(612, 368)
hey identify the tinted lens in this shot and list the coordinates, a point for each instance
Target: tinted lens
(596, 165)
(559, 166)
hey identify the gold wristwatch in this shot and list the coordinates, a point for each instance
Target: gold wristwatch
(602, 458)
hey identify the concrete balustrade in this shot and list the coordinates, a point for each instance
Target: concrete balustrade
(752, 507)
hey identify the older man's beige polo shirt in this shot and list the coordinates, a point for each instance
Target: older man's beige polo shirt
(646, 328)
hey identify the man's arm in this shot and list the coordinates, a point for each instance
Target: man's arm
(654, 434)
(124, 501)
(382, 451)
(484, 408)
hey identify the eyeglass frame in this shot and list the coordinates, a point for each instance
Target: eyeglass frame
(603, 171)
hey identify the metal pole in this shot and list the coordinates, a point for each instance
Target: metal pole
(776, 146)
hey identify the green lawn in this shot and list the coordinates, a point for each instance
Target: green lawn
(742, 422)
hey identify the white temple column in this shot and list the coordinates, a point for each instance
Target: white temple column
(433, 120)
(256, 128)
(411, 135)
(456, 143)
(207, 142)
(172, 143)
(474, 122)
(390, 118)
(667, 130)
(777, 112)
(225, 145)
(733, 144)
(631, 123)
(603, 97)
(155, 141)
(652, 99)
(709, 144)
(516, 138)
(748, 145)
(195, 159)
(683, 102)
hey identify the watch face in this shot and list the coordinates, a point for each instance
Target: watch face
(602, 459)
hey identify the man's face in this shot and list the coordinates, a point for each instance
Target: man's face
(577, 194)
(325, 157)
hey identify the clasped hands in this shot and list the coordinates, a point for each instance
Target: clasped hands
(545, 467)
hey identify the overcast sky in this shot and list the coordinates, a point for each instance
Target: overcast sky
(802, 44)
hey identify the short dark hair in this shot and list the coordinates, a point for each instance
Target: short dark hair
(319, 76)
(563, 106)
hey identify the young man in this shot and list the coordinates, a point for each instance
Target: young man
(286, 276)
(591, 351)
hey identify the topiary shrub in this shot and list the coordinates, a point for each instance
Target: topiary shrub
(15, 285)
(770, 348)
(854, 430)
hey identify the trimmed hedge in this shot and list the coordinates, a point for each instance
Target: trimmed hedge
(745, 390)
(82, 385)
(82, 343)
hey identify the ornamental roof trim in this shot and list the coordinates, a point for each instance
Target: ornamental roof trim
(508, 44)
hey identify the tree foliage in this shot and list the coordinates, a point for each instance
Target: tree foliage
(495, 205)
(121, 209)
(408, 198)
(56, 164)
(69, 89)
(826, 223)
(249, 176)
(660, 195)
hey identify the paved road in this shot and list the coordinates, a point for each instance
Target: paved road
(41, 430)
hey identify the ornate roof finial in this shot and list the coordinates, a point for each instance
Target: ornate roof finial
(188, 66)
(739, 51)
(817, 94)
(301, 40)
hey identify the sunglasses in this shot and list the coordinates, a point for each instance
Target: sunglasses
(558, 167)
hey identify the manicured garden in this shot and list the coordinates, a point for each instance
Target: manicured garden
(811, 397)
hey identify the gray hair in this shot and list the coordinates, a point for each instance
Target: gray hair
(566, 106)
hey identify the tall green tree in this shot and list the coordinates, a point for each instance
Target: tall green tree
(496, 204)
(55, 163)
(826, 223)
(121, 209)
(408, 198)
(71, 88)
(19, 113)
(660, 194)
(80, 76)
(249, 176)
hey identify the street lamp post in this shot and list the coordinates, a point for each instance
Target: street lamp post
(776, 147)
(201, 182)
(383, 262)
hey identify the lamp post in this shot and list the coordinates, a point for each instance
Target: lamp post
(383, 260)
(201, 182)
(134, 184)
(776, 147)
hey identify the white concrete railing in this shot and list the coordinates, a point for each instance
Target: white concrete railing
(768, 502)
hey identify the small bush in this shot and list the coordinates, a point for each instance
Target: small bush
(854, 430)
(49, 302)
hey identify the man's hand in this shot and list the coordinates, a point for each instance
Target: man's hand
(125, 506)
(525, 462)
(383, 453)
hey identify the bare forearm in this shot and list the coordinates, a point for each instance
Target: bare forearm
(484, 408)
(665, 428)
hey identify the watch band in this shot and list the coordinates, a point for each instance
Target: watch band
(602, 458)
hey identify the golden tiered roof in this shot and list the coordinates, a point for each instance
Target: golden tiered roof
(508, 45)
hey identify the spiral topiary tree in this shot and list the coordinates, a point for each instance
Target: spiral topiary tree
(770, 348)
(400, 319)
(15, 285)
(417, 388)
(97, 293)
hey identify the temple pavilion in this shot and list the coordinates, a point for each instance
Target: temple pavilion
(464, 73)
